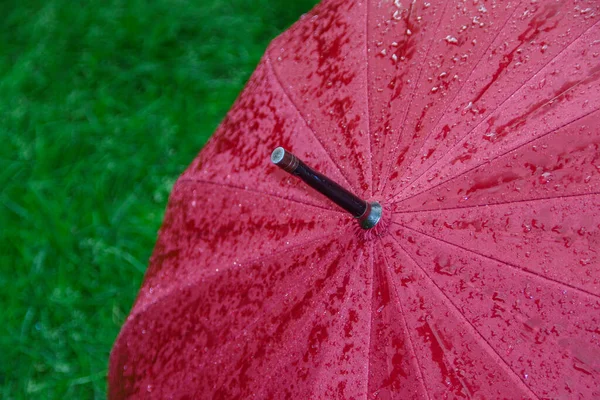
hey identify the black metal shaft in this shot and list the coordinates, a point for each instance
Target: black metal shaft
(340, 196)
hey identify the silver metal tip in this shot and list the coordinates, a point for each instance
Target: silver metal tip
(277, 155)
(372, 216)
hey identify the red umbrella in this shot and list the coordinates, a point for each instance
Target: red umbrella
(475, 125)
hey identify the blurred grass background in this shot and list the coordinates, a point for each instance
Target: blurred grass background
(103, 103)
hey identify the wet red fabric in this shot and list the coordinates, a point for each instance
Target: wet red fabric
(475, 125)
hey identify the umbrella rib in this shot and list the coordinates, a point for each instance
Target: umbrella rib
(496, 204)
(405, 324)
(396, 201)
(513, 266)
(310, 128)
(459, 90)
(385, 175)
(371, 252)
(435, 164)
(234, 187)
(368, 85)
(490, 350)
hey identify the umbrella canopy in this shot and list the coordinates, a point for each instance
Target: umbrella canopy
(475, 125)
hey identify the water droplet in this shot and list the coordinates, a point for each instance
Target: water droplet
(451, 39)
(491, 136)
(546, 177)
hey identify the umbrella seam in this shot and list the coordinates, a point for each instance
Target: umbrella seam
(310, 128)
(367, 80)
(458, 91)
(191, 181)
(582, 292)
(405, 324)
(495, 204)
(436, 163)
(551, 131)
(491, 351)
(385, 180)
(371, 250)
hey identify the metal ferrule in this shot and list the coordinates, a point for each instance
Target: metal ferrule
(284, 160)
(371, 216)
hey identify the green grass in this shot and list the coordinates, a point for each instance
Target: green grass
(102, 104)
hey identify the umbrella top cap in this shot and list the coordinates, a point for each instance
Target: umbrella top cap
(367, 214)
(277, 155)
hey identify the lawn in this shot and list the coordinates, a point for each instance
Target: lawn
(103, 104)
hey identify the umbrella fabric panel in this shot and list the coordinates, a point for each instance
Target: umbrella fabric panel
(291, 323)
(212, 227)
